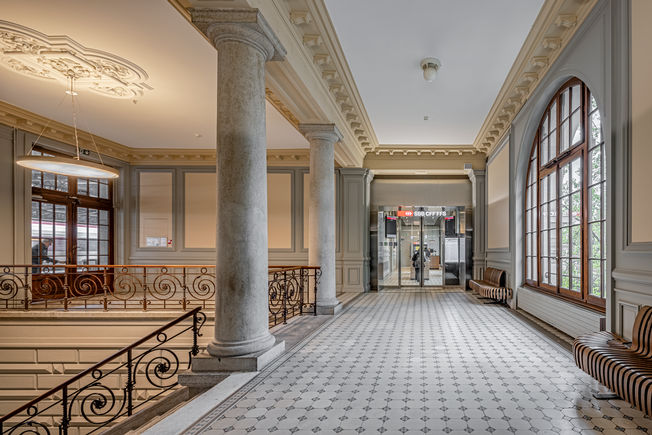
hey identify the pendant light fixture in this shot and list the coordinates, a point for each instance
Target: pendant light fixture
(71, 166)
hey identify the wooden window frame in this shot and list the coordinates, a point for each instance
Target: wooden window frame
(553, 165)
(72, 200)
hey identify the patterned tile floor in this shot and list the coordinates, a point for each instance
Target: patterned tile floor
(423, 362)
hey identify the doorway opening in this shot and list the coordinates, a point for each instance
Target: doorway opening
(420, 247)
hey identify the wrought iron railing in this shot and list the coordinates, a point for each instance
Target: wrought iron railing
(292, 292)
(292, 289)
(114, 388)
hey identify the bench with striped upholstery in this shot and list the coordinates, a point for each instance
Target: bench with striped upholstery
(492, 285)
(627, 371)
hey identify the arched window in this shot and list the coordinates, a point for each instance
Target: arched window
(565, 205)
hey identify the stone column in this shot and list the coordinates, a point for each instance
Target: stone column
(244, 42)
(321, 238)
(479, 199)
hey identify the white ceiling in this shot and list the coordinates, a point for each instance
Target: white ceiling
(384, 42)
(181, 64)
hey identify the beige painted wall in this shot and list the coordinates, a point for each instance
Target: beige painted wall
(155, 208)
(641, 120)
(201, 205)
(279, 210)
(498, 200)
(199, 209)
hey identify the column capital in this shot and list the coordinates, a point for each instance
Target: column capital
(244, 25)
(328, 132)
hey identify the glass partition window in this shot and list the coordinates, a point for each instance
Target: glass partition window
(565, 205)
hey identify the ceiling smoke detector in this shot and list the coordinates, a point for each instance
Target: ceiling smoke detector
(430, 66)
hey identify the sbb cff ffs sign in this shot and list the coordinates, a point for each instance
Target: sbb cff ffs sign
(407, 213)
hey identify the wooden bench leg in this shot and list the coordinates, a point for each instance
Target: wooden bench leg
(606, 396)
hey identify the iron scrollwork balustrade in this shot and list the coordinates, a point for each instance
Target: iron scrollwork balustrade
(292, 292)
(123, 287)
(292, 289)
(113, 388)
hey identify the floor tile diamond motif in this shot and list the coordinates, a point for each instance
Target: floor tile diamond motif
(423, 363)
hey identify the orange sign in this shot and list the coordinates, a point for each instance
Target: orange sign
(405, 213)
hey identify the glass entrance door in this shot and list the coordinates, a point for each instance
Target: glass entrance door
(420, 247)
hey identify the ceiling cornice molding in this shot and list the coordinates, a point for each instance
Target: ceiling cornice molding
(36, 124)
(314, 30)
(551, 32)
(420, 150)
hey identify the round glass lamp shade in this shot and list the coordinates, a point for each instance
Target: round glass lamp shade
(68, 166)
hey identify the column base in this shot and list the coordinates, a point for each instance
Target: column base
(205, 363)
(329, 310)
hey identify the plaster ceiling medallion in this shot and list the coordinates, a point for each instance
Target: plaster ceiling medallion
(59, 58)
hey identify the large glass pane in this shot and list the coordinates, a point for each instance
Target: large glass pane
(93, 189)
(544, 243)
(576, 174)
(576, 283)
(36, 217)
(565, 273)
(565, 242)
(564, 173)
(47, 220)
(104, 191)
(595, 277)
(62, 183)
(595, 240)
(576, 208)
(544, 127)
(596, 130)
(564, 105)
(553, 116)
(595, 202)
(576, 128)
(565, 211)
(104, 217)
(576, 241)
(553, 272)
(544, 151)
(544, 216)
(36, 178)
(48, 180)
(552, 178)
(553, 142)
(576, 97)
(595, 165)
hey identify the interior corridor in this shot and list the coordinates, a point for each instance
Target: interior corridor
(423, 362)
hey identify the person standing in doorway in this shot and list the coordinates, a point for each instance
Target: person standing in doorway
(40, 253)
(416, 263)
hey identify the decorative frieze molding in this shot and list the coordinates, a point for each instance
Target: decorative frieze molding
(36, 124)
(314, 28)
(282, 108)
(554, 27)
(406, 150)
(60, 58)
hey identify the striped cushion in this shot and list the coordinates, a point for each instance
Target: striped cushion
(500, 293)
(625, 371)
(492, 285)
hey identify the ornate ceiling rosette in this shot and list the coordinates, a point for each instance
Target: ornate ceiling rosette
(60, 58)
